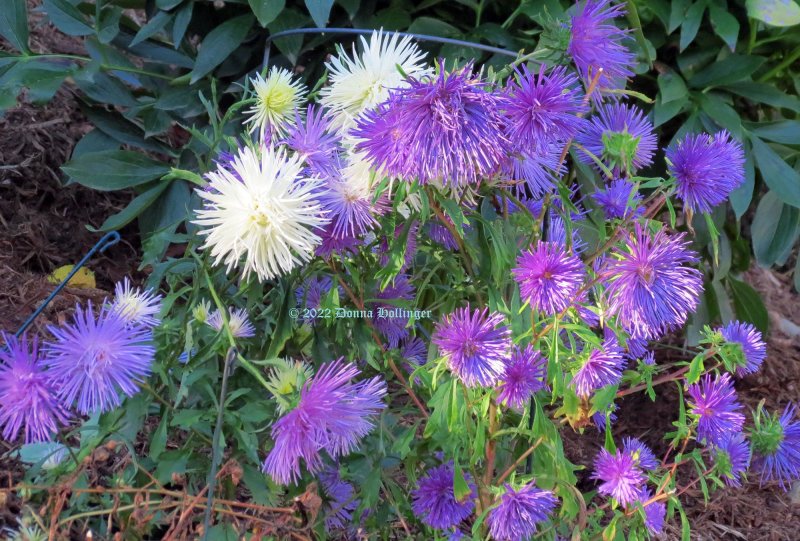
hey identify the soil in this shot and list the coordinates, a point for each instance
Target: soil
(43, 226)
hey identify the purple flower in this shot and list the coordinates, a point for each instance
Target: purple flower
(335, 244)
(641, 453)
(596, 43)
(440, 234)
(340, 499)
(543, 108)
(393, 328)
(706, 169)
(753, 347)
(599, 418)
(414, 353)
(333, 414)
(619, 200)
(714, 403)
(27, 394)
(519, 511)
(655, 513)
(410, 245)
(434, 501)
(621, 477)
(445, 128)
(650, 288)
(313, 139)
(347, 196)
(732, 458)
(136, 306)
(602, 367)
(621, 136)
(776, 447)
(94, 359)
(238, 323)
(537, 169)
(475, 344)
(557, 233)
(310, 294)
(525, 373)
(548, 277)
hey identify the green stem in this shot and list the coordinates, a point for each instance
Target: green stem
(106, 67)
(788, 61)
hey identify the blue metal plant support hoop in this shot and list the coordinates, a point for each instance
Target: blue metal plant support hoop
(108, 240)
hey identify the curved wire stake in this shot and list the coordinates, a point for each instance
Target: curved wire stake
(367, 31)
(108, 240)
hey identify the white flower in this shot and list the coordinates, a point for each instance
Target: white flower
(363, 81)
(277, 97)
(262, 210)
(136, 305)
(238, 323)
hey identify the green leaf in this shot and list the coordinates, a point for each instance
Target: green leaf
(14, 24)
(123, 130)
(434, 27)
(765, 93)
(671, 87)
(721, 114)
(94, 141)
(153, 27)
(461, 490)
(319, 10)
(677, 14)
(691, 24)
(774, 229)
(67, 18)
(781, 131)
(797, 275)
(774, 12)
(134, 208)
(289, 45)
(777, 173)
(108, 28)
(725, 25)
(114, 169)
(102, 87)
(158, 443)
(740, 197)
(168, 4)
(266, 10)
(748, 304)
(182, 19)
(695, 369)
(219, 44)
(726, 72)
(42, 78)
(664, 112)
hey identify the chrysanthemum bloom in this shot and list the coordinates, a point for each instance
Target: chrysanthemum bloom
(393, 328)
(446, 129)
(414, 353)
(340, 499)
(267, 216)
(440, 234)
(621, 136)
(313, 139)
(603, 367)
(475, 345)
(649, 285)
(557, 233)
(548, 277)
(310, 294)
(95, 359)
(619, 200)
(715, 404)
(621, 477)
(776, 446)
(641, 453)
(732, 458)
(525, 373)
(136, 306)
(750, 340)
(27, 393)
(706, 169)
(655, 513)
(277, 96)
(238, 323)
(434, 501)
(519, 511)
(347, 195)
(543, 108)
(596, 43)
(600, 421)
(360, 83)
(333, 414)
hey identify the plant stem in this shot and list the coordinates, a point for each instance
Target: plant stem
(785, 63)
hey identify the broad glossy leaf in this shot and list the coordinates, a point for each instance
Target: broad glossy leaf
(266, 10)
(725, 25)
(774, 230)
(721, 113)
(728, 71)
(14, 24)
(182, 19)
(114, 169)
(764, 93)
(781, 178)
(153, 27)
(774, 12)
(219, 44)
(134, 208)
(67, 18)
(781, 131)
(671, 87)
(319, 10)
(748, 304)
(289, 45)
(740, 197)
(691, 24)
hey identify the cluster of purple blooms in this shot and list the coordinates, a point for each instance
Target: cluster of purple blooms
(87, 366)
